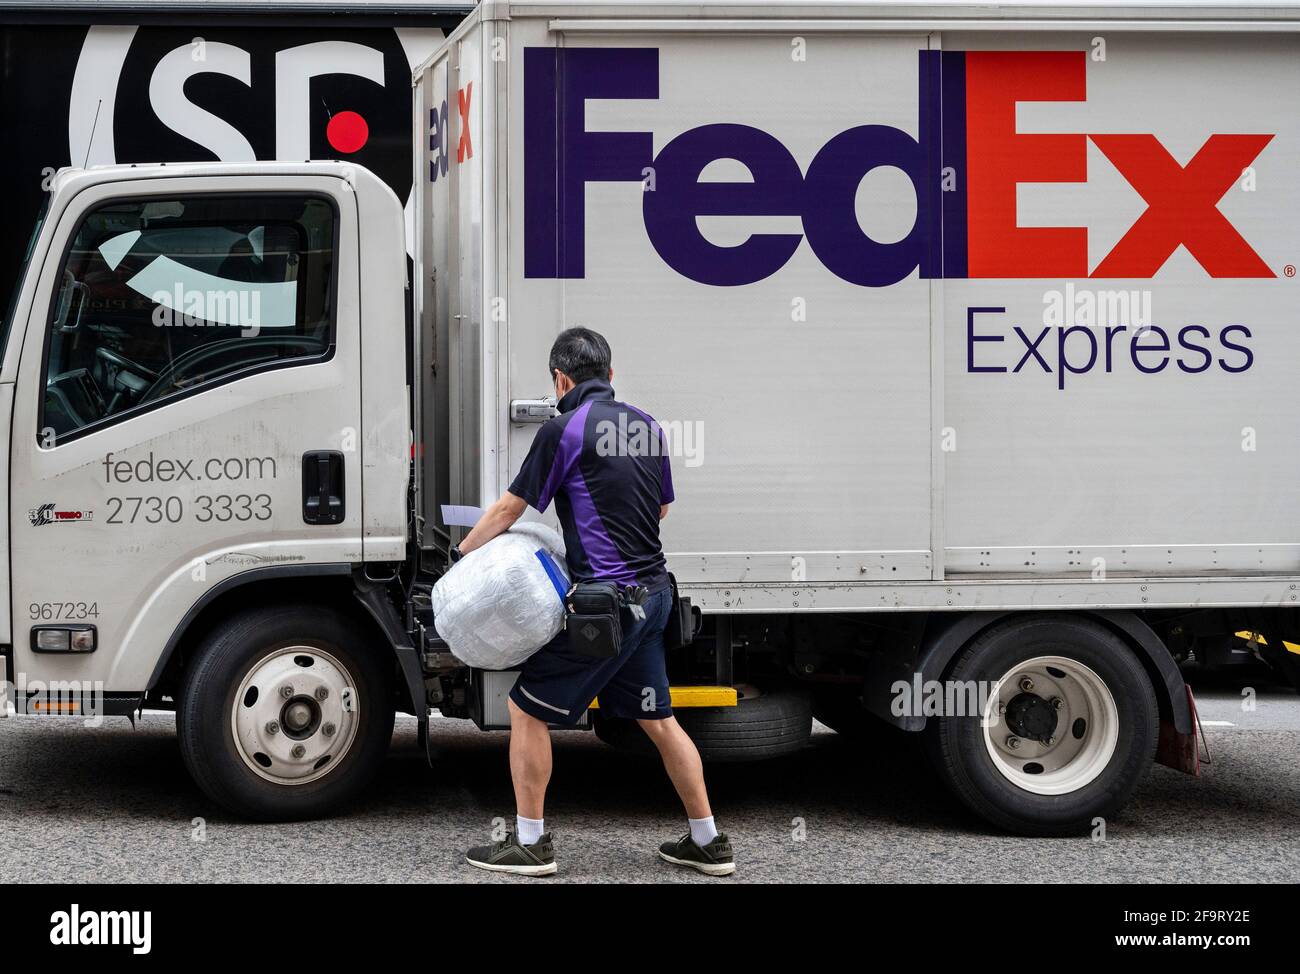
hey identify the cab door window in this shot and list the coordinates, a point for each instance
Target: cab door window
(161, 298)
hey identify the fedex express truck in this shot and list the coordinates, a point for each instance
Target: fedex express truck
(971, 329)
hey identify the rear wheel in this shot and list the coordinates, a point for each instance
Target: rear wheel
(761, 725)
(1067, 727)
(285, 713)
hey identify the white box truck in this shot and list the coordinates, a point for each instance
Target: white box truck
(971, 328)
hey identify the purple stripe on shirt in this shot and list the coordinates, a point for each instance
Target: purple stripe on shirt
(566, 454)
(601, 553)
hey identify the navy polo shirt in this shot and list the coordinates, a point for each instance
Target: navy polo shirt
(605, 463)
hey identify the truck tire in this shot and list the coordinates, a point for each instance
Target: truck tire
(760, 726)
(285, 713)
(1077, 734)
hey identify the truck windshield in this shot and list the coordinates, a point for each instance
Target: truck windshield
(22, 274)
(161, 297)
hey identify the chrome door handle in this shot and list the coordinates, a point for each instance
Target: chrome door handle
(531, 410)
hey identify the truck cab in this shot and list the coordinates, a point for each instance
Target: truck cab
(209, 413)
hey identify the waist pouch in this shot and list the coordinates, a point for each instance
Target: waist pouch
(592, 619)
(680, 630)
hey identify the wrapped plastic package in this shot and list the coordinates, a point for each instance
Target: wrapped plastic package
(502, 602)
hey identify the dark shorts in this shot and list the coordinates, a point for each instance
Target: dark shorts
(557, 686)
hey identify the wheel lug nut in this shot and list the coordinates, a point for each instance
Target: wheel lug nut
(1058, 703)
(1013, 742)
(328, 730)
(298, 750)
(273, 727)
(1026, 684)
(322, 693)
(286, 691)
(1051, 741)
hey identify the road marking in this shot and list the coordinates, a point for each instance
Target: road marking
(1217, 723)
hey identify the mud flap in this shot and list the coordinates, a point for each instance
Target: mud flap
(1283, 660)
(372, 596)
(1181, 751)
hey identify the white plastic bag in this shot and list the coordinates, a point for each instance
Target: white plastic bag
(498, 605)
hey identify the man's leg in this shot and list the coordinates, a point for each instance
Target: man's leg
(641, 687)
(530, 761)
(682, 762)
(705, 849)
(528, 851)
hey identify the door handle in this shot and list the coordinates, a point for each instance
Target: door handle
(531, 410)
(322, 487)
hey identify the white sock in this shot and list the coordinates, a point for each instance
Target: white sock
(529, 830)
(703, 831)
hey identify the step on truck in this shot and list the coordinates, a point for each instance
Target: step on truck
(969, 328)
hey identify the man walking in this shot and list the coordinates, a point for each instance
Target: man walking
(609, 502)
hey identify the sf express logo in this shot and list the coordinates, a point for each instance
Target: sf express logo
(49, 514)
(965, 167)
(165, 95)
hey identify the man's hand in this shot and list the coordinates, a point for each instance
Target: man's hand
(663, 511)
(495, 520)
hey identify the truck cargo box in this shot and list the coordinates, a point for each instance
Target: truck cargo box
(921, 295)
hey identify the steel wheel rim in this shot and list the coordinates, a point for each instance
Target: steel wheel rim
(1071, 762)
(294, 716)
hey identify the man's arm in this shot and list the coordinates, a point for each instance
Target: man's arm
(497, 519)
(666, 494)
(534, 484)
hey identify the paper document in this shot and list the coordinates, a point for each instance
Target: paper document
(460, 515)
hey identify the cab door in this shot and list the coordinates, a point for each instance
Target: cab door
(185, 409)
(11, 337)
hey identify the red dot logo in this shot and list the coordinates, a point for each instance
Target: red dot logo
(347, 132)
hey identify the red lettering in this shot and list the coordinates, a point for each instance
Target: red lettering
(1182, 206)
(464, 148)
(998, 159)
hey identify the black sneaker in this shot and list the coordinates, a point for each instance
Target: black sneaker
(508, 856)
(714, 859)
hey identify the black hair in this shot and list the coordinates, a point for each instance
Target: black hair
(581, 354)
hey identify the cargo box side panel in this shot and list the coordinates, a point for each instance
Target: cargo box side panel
(696, 200)
(430, 270)
(1118, 379)
(452, 281)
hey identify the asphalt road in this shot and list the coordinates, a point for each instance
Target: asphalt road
(114, 804)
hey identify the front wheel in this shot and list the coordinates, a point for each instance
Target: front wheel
(285, 713)
(1065, 729)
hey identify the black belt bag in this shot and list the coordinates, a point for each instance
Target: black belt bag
(592, 619)
(680, 630)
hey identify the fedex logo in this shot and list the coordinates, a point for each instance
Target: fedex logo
(965, 167)
(440, 134)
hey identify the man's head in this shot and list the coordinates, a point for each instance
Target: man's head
(579, 354)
